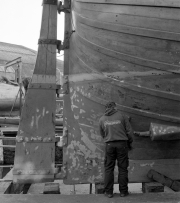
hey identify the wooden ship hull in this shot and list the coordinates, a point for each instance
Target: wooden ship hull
(126, 51)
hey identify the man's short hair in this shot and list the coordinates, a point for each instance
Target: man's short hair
(110, 105)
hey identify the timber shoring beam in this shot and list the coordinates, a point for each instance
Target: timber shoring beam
(173, 184)
(35, 158)
(15, 121)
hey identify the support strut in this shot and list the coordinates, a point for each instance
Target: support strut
(35, 154)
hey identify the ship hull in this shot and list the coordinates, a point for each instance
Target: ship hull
(127, 52)
(9, 100)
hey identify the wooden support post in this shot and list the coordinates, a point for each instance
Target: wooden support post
(99, 188)
(152, 187)
(65, 86)
(90, 188)
(35, 147)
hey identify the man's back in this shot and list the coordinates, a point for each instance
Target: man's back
(115, 127)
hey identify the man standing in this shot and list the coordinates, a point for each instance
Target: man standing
(117, 134)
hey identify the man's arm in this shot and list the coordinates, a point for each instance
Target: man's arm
(129, 130)
(101, 129)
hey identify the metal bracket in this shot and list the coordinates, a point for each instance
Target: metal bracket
(51, 2)
(62, 8)
(58, 43)
(65, 44)
(42, 86)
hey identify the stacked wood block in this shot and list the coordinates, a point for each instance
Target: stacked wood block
(152, 187)
(51, 188)
(99, 188)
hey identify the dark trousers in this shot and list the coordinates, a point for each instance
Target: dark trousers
(116, 151)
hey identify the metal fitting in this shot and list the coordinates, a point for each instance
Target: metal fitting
(52, 2)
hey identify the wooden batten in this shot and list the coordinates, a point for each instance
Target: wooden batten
(152, 187)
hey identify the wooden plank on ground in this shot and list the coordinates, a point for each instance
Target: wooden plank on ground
(5, 183)
(8, 176)
(36, 188)
(5, 187)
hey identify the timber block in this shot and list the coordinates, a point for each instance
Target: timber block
(36, 188)
(51, 188)
(18, 188)
(152, 187)
(99, 188)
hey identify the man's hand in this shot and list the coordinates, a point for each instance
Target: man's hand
(130, 146)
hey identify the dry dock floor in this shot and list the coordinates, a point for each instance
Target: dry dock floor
(132, 198)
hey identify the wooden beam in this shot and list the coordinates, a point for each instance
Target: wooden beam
(15, 121)
(51, 188)
(152, 187)
(34, 161)
(13, 62)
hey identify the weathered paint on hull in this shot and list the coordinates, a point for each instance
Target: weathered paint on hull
(128, 52)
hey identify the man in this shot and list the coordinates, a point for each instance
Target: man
(117, 134)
